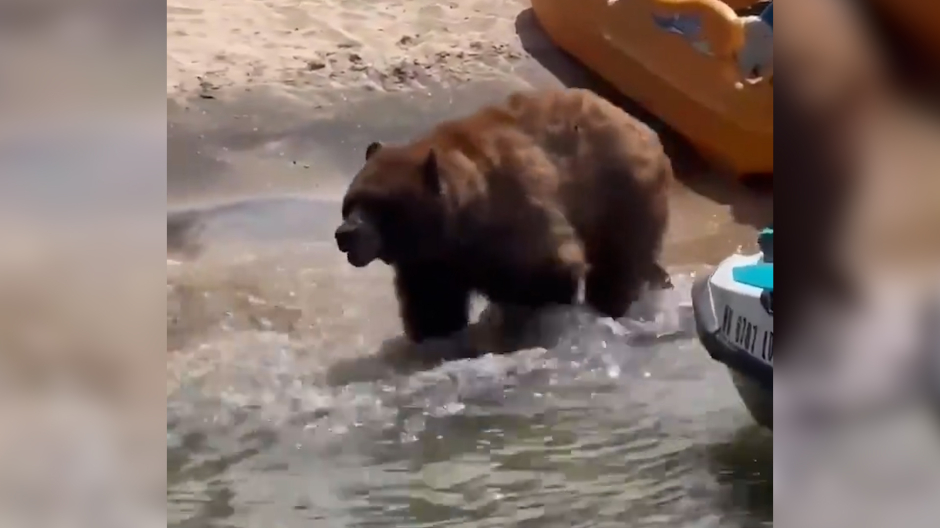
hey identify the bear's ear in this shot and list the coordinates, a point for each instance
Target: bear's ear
(373, 147)
(431, 173)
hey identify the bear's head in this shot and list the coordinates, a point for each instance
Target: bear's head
(394, 209)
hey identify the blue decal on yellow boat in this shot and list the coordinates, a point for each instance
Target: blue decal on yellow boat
(687, 26)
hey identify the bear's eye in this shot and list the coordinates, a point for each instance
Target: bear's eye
(353, 202)
(378, 211)
(347, 208)
(365, 204)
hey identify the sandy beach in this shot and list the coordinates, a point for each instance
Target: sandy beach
(315, 45)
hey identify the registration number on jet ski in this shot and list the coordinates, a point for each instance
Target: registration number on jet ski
(745, 334)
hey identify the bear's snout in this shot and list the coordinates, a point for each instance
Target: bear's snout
(346, 237)
(359, 241)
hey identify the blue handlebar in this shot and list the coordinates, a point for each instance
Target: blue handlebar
(768, 15)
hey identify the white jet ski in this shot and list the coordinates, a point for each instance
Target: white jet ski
(734, 317)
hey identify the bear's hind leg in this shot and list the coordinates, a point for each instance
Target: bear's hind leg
(432, 302)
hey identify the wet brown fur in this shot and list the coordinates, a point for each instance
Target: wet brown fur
(537, 193)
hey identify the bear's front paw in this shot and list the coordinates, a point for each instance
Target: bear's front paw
(659, 278)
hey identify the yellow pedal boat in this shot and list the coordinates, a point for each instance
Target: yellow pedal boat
(679, 60)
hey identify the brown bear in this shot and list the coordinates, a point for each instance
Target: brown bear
(518, 202)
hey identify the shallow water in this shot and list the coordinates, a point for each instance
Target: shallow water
(285, 413)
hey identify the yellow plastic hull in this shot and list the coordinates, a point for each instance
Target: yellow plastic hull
(666, 75)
